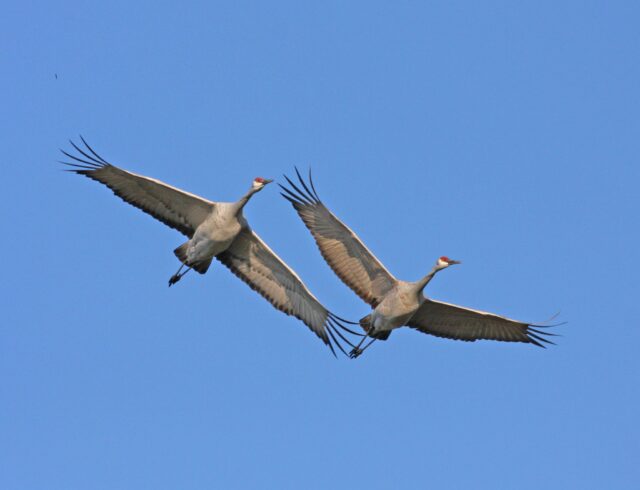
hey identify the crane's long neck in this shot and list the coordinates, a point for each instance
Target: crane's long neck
(240, 203)
(420, 285)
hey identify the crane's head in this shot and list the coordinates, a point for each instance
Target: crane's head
(444, 262)
(260, 182)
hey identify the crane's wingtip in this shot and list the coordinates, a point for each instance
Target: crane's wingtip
(538, 338)
(300, 192)
(336, 317)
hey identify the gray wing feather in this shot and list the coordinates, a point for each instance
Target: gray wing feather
(173, 207)
(460, 323)
(256, 264)
(341, 248)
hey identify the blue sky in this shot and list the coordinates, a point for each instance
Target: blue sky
(503, 134)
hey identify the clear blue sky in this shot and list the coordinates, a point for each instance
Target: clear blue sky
(503, 134)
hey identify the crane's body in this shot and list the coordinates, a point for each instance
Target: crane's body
(396, 303)
(216, 230)
(395, 310)
(216, 233)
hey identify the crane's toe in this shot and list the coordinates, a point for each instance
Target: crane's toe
(173, 279)
(355, 352)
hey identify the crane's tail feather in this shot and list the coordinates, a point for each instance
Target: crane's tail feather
(200, 266)
(365, 323)
(181, 252)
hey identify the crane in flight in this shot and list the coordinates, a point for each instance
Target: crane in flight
(396, 303)
(216, 229)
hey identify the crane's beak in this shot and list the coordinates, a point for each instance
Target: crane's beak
(267, 181)
(454, 262)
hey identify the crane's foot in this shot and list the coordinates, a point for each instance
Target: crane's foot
(358, 349)
(355, 352)
(178, 275)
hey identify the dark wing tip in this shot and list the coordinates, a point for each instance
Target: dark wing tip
(301, 192)
(87, 159)
(336, 329)
(537, 337)
(313, 187)
(341, 320)
(102, 160)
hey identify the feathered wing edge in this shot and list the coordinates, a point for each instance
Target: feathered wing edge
(531, 334)
(171, 206)
(333, 327)
(537, 337)
(307, 197)
(92, 162)
(526, 332)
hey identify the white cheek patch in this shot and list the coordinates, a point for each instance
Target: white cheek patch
(442, 263)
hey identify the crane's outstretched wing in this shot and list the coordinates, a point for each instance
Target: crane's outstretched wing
(255, 263)
(175, 208)
(459, 323)
(341, 248)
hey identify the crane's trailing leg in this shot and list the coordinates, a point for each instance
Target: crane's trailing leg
(177, 276)
(366, 325)
(356, 351)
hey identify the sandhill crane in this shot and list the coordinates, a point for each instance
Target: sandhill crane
(216, 229)
(396, 303)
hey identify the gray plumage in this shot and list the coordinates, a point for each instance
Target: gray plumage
(396, 303)
(216, 230)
